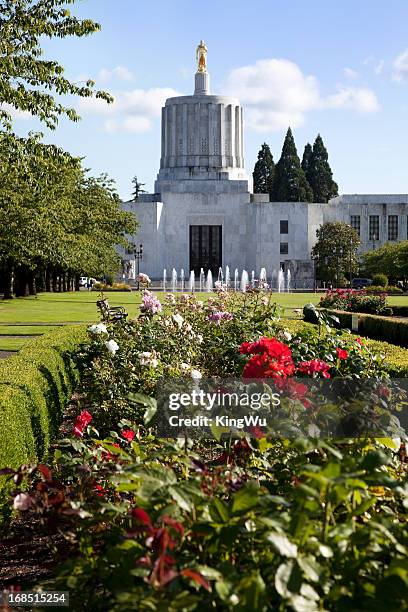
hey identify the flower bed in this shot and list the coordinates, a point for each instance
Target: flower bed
(248, 523)
(353, 300)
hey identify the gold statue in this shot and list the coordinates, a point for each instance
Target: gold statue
(202, 57)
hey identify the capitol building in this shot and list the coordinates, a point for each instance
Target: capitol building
(203, 216)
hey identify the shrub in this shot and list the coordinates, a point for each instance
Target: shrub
(310, 313)
(380, 280)
(35, 386)
(352, 300)
(114, 287)
(391, 289)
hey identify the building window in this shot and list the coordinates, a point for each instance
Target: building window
(392, 227)
(284, 229)
(355, 222)
(284, 248)
(374, 227)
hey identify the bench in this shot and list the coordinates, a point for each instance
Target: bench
(111, 313)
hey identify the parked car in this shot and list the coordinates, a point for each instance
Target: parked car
(360, 283)
(83, 281)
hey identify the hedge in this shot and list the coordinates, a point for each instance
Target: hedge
(395, 357)
(35, 386)
(376, 327)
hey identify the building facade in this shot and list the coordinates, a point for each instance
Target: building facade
(203, 216)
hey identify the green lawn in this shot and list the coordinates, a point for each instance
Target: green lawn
(24, 316)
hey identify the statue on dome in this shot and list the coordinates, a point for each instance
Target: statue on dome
(202, 57)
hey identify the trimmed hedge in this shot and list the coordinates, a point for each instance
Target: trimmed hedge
(377, 327)
(35, 386)
(395, 357)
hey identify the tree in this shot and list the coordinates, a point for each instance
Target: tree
(390, 259)
(137, 189)
(24, 73)
(307, 155)
(290, 184)
(335, 252)
(55, 222)
(319, 173)
(264, 171)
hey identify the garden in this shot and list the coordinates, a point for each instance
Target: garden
(129, 520)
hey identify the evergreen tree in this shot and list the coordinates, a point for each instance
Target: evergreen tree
(137, 189)
(306, 160)
(319, 173)
(264, 171)
(290, 184)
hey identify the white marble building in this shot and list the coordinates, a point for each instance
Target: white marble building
(202, 214)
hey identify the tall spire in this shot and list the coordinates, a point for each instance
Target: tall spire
(202, 78)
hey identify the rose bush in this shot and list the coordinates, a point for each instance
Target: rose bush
(355, 300)
(251, 523)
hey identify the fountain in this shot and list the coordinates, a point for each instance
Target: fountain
(288, 278)
(252, 279)
(209, 281)
(182, 279)
(174, 281)
(164, 279)
(274, 285)
(281, 281)
(192, 282)
(263, 276)
(236, 280)
(202, 280)
(227, 277)
(220, 276)
(244, 281)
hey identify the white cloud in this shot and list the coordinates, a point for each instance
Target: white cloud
(401, 66)
(276, 93)
(379, 67)
(16, 113)
(361, 99)
(131, 111)
(120, 72)
(349, 73)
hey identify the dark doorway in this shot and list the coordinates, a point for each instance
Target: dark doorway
(205, 248)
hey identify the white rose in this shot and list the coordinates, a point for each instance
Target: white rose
(196, 375)
(199, 339)
(185, 367)
(287, 336)
(112, 346)
(234, 599)
(100, 328)
(22, 502)
(178, 319)
(188, 327)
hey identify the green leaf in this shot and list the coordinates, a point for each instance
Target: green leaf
(219, 511)
(184, 501)
(282, 544)
(245, 499)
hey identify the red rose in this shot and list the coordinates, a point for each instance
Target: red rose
(313, 367)
(128, 434)
(81, 422)
(341, 353)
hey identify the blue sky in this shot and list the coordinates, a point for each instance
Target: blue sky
(340, 69)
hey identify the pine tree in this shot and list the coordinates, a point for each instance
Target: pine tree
(264, 171)
(306, 160)
(319, 173)
(137, 189)
(290, 184)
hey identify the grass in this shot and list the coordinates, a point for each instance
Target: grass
(23, 316)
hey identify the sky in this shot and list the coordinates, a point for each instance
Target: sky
(335, 68)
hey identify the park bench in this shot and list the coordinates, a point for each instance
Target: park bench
(111, 313)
